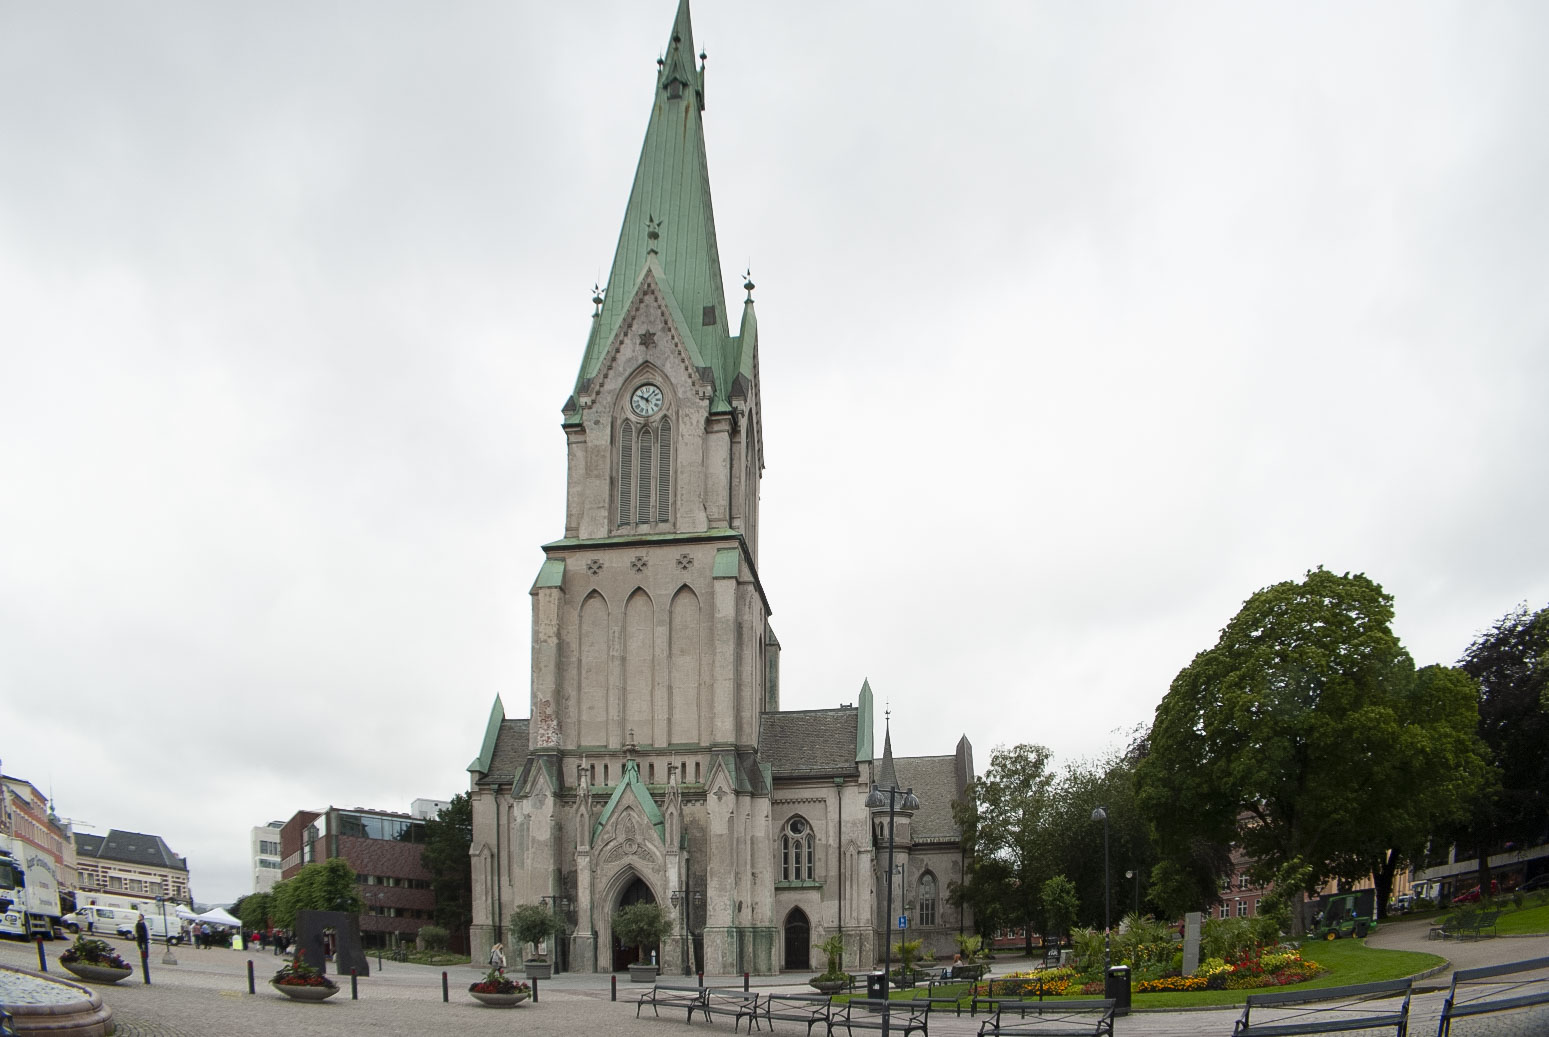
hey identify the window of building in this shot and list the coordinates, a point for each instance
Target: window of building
(1242, 881)
(796, 850)
(1242, 909)
(927, 899)
(645, 471)
(1226, 912)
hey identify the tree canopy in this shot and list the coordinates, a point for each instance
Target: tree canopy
(327, 885)
(448, 837)
(1281, 737)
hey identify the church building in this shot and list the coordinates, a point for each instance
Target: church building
(656, 763)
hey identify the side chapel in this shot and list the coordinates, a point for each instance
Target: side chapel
(656, 763)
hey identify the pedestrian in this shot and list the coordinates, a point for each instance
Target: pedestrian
(497, 958)
(142, 935)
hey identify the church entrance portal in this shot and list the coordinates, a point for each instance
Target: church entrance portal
(798, 941)
(637, 892)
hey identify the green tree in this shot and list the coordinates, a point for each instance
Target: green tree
(1272, 737)
(534, 923)
(1511, 663)
(1060, 906)
(327, 885)
(253, 909)
(448, 837)
(641, 926)
(1001, 819)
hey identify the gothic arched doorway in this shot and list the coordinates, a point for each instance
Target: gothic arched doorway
(637, 892)
(798, 941)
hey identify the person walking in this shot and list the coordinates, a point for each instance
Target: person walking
(497, 958)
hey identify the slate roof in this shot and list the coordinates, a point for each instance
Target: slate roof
(130, 848)
(809, 743)
(510, 753)
(934, 780)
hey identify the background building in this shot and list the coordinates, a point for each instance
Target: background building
(264, 847)
(428, 808)
(131, 864)
(384, 848)
(42, 842)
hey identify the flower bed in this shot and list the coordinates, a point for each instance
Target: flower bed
(497, 982)
(297, 973)
(86, 951)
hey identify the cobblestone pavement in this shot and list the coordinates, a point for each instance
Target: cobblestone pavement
(205, 995)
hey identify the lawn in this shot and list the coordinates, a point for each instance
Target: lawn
(1521, 923)
(1347, 961)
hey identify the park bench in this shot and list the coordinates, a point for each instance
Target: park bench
(669, 993)
(1050, 1019)
(865, 1013)
(808, 1009)
(733, 1001)
(1013, 991)
(1495, 988)
(1327, 1010)
(1477, 926)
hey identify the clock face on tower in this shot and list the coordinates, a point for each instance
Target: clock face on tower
(646, 400)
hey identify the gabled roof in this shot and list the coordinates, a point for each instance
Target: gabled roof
(509, 754)
(669, 228)
(130, 848)
(631, 788)
(934, 781)
(809, 742)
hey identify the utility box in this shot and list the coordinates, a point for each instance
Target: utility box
(1116, 986)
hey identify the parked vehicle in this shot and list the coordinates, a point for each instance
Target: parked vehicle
(1342, 914)
(29, 896)
(101, 921)
(170, 931)
(1471, 896)
(1399, 904)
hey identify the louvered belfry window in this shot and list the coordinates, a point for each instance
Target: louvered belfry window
(645, 472)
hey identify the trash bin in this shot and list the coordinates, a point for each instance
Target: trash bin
(876, 985)
(1116, 986)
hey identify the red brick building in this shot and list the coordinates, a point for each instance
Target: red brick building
(384, 849)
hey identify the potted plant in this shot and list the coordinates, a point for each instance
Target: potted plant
(833, 978)
(641, 926)
(95, 960)
(498, 991)
(301, 982)
(534, 924)
(907, 952)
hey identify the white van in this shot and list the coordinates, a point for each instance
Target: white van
(100, 921)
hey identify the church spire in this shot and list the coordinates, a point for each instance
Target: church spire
(669, 223)
(887, 775)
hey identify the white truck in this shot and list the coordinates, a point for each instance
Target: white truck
(29, 892)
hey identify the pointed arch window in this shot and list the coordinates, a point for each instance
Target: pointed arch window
(626, 470)
(645, 455)
(664, 472)
(927, 911)
(797, 854)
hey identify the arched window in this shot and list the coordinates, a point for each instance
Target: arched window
(626, 471)
(646, 455)
(796, 850)
(664, 472)
(927, 899)
(645, 451)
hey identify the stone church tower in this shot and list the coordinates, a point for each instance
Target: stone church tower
(656, 763)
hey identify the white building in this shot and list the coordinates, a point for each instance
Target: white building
(265, 851)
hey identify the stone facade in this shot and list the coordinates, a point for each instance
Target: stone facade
(656, 763)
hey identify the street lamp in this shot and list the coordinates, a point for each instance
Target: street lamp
(1102, 815)
(891, 798)
(168, 958)
(685, 897)
(1132, 874)
(560, 906)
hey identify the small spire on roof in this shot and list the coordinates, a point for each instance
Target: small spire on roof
(747, 281)
(653, 232)
(596, 299)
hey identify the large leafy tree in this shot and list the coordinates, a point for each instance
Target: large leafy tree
(1272, 738)
(448, 837)
(1511, 663)
(1002, 821)
(320, 886)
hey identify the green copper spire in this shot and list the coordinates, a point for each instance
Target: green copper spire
(669, 225)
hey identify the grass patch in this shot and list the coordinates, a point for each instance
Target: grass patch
(436, 958)
(1347, 961)
(1521, 923)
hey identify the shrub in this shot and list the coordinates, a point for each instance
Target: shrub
(641, 925)
(533, 923)
(433, 938)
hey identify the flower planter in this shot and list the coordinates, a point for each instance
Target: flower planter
(499, 1000)
(301, 992)
(829, 986)
(539, 969)
(639, 973)
(97, 973)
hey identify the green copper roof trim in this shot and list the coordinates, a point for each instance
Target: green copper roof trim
(726, 560)
(551, 573)
(669, 225)
(497, 714)
(632, 785)
(863, 725)
(645, 538)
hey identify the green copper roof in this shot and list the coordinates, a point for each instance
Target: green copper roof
(726, 563)
(551, 574)
(497, 713)
(631, 785)
(863, 732)
(669, 227)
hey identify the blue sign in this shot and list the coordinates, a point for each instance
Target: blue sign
(903, 921)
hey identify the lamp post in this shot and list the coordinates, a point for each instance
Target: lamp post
(168, 958)
(891, 798)
(1135, 874)
(1102, 815)
(687, 898)
(560, 907)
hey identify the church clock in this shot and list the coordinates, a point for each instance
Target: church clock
(646, 400)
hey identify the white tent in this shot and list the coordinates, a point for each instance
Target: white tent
(219, 916)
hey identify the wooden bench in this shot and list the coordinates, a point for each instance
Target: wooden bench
(1050, 1019)
(809, 1009)
(865, 1013)
(676, 994)
(1327, 1010)
(1494, 988)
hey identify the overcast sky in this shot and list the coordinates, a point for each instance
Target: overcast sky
(1079, 322)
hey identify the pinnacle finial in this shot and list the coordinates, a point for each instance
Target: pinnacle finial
(596, 299)
(653, 232)
(747, 282)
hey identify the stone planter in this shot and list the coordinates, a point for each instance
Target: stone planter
(97, 973)
(297, 992)
(499, 1000)
(829, 986)
(639, 973)
(539, 969)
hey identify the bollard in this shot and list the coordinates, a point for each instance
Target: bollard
(42, 959)
(379, 959)
(534, 984)
(744, 982)
(250, 988)
(615, 983)
(354, 986)
(445, 994)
